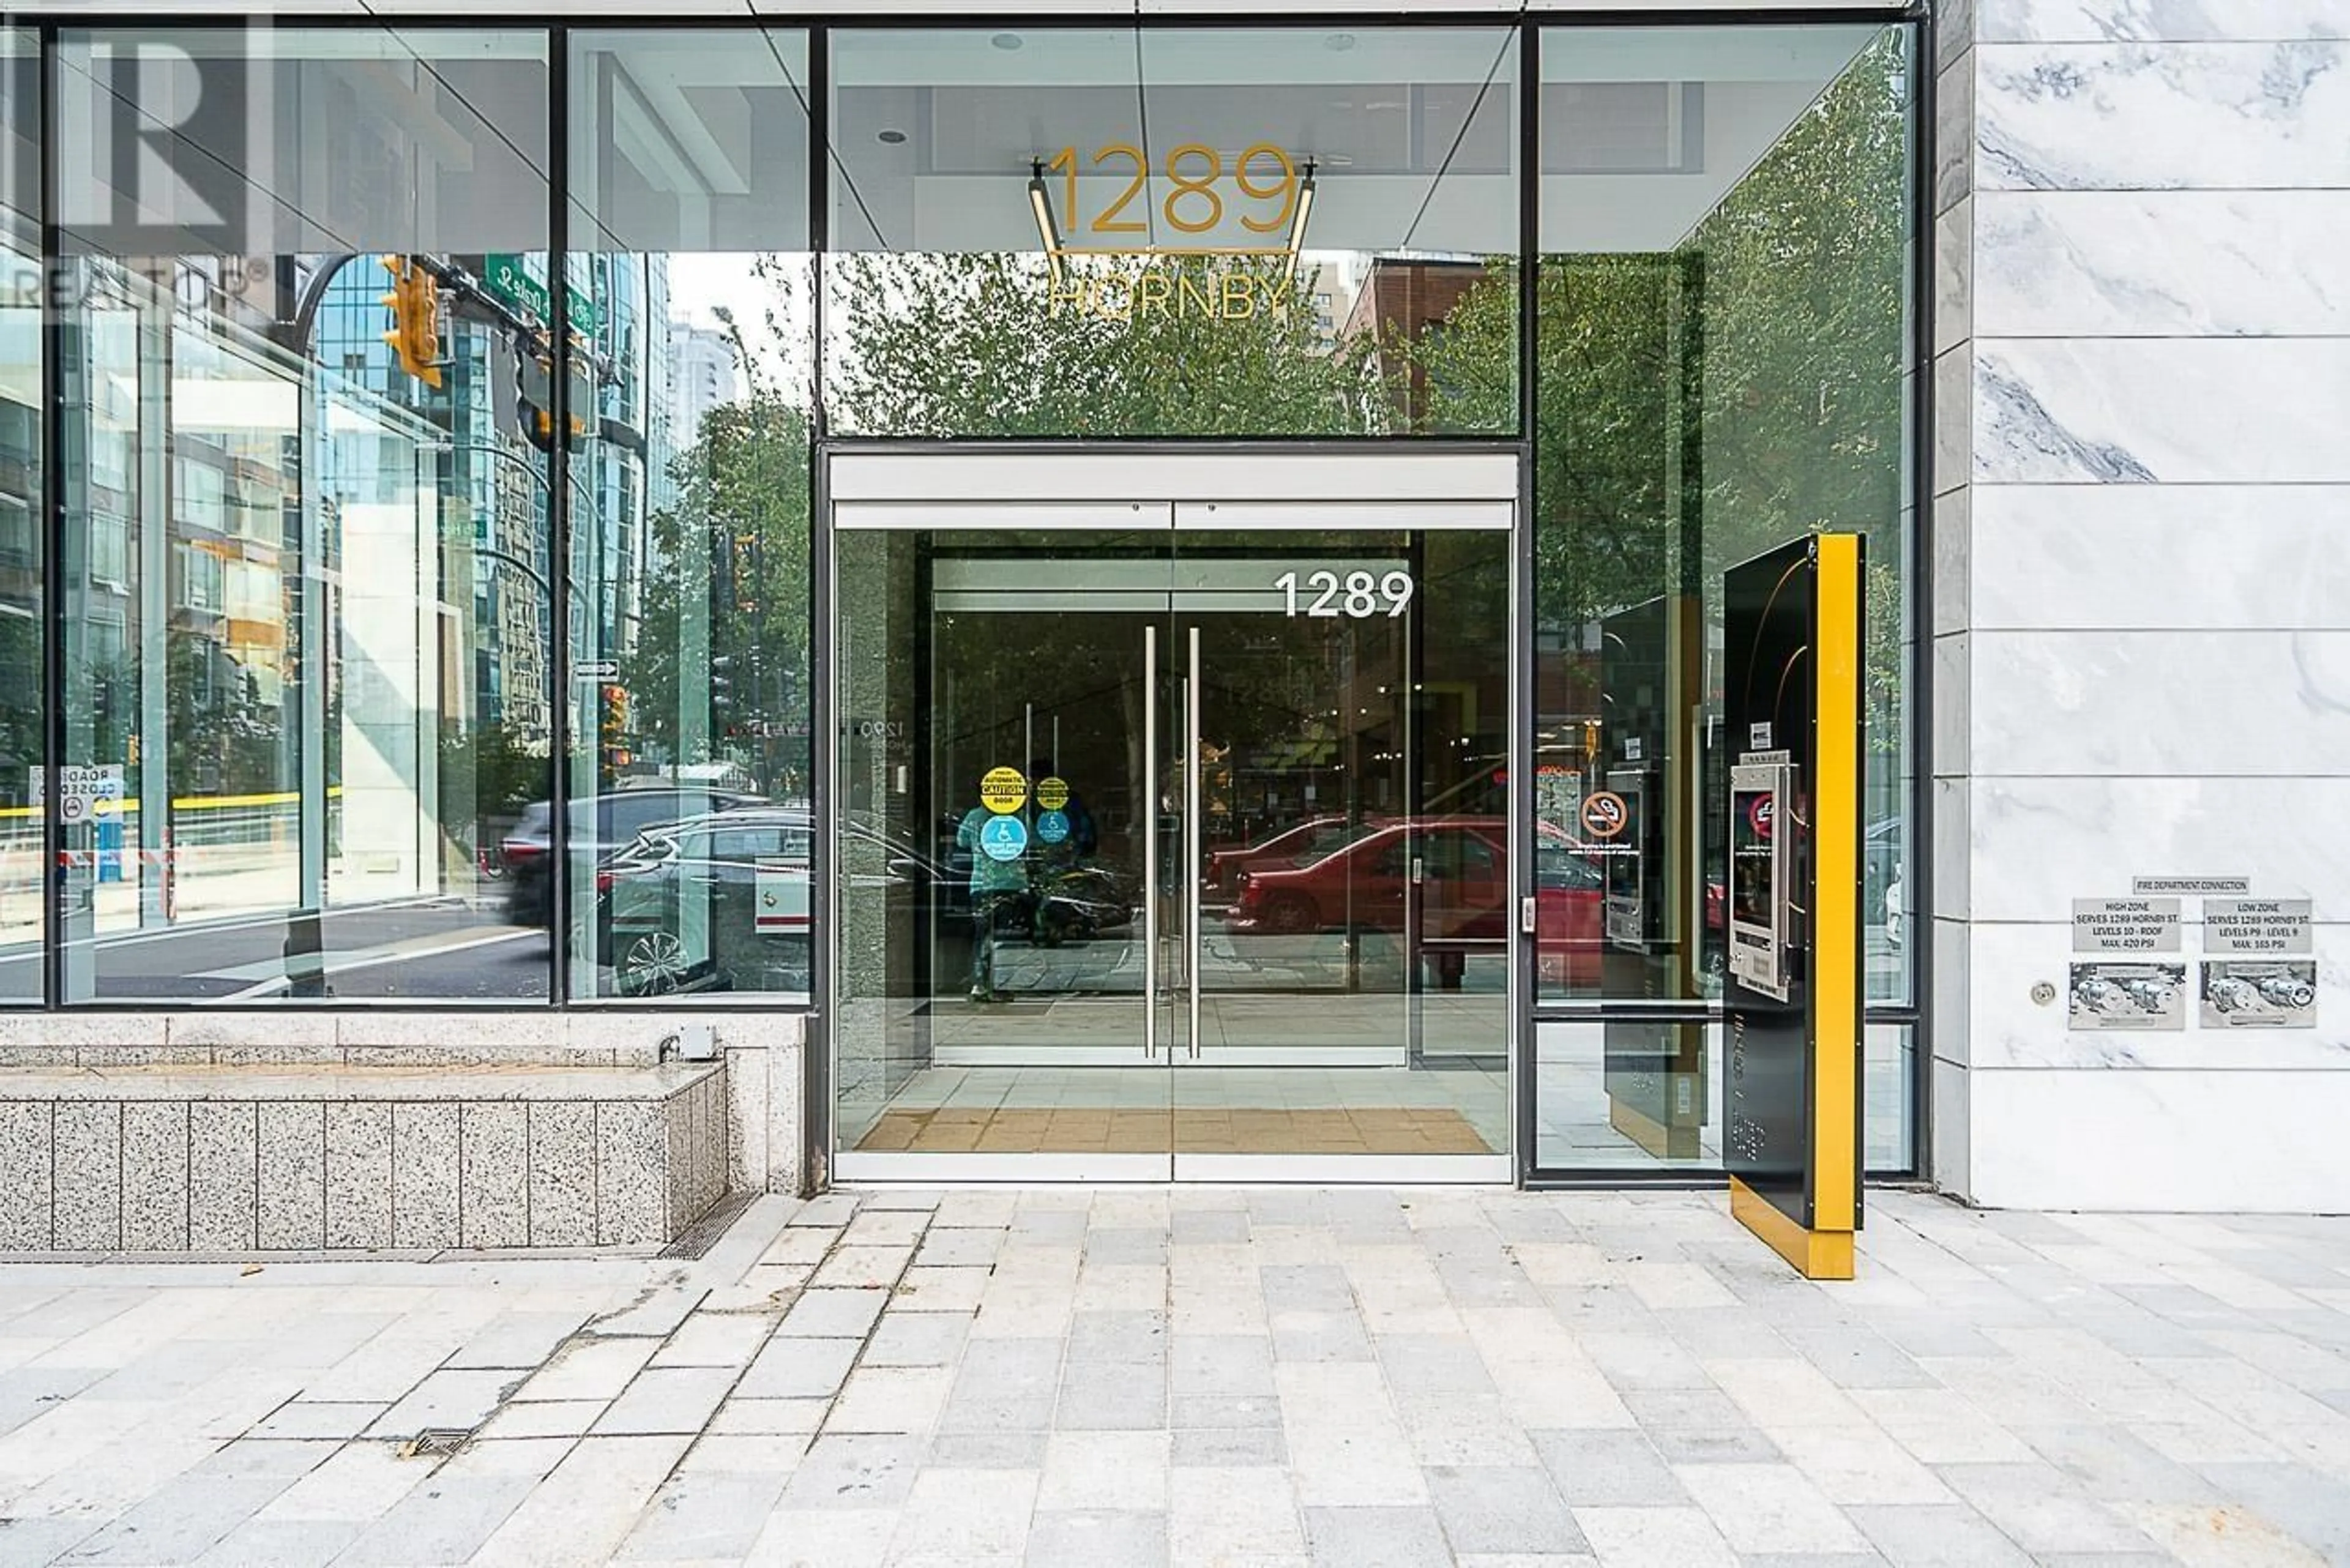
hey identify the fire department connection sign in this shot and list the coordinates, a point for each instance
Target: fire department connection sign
(2126, 925)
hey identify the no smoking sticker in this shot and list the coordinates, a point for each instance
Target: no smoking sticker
(1604, 814)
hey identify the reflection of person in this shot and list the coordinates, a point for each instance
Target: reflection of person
(1083, 838)
(994, 884)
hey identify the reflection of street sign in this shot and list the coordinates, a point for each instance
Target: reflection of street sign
(1003, 790)
(1003, 838)
(1761, 815)
(596, 670)
(1604, 814)
(1053, 793)
(1051, 827)
(504, 278)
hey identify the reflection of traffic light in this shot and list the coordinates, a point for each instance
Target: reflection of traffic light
(722, 692)
(414, 301)
(614, 725)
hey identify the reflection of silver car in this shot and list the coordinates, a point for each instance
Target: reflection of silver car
(722, 902)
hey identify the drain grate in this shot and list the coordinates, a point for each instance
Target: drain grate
(696, 1240)
(436, 1442)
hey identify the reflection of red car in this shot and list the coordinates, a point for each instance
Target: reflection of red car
(1308, 840)
(1364, 885)
(1463, 893)
(1569, 894)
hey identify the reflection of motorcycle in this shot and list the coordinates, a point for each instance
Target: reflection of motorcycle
(1075, 904)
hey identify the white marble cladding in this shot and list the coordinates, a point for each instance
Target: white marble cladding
(2161, 116)
(2161, 1141)
(2191, 411)
(240, 1159)
(2109, 21)
(2156, 264)
(2142, 596)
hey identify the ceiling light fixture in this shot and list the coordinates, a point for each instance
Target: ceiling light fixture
(890, 137)
(1297, 219)
(1040, 204)
(1007, 40)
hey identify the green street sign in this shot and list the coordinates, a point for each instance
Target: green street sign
(505, 278)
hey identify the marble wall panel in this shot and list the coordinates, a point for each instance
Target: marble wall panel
(2108, 21)
(1954, 29)
(2181, 1141)
(424, 1161)
(88, 1193)
(1954, 277)
(292, 1174)
(1954, 850)
(1954, 418)
(562, 1173)
(2182, 410)
(2155, 117)
(2187, 702)
(494, 1174)
(358, 1174)
(1952, 547)
(1948, 731)
(2154, 556)
(1950, 1126)
(1952, 998)
(1954, 132)
(2008, 1030)
(27, 1162)
(155, 1176)
(2037, 844)
(2158, 264)
(223, 1162)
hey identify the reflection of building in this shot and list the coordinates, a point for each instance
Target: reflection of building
(1400, 304)
(703, 376)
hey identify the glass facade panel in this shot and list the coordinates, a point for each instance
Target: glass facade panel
(305, 586)
(346, 612)
(22, 748)
(1722, 337)
(1580, 1126)
(1173, 231)
(691, 273)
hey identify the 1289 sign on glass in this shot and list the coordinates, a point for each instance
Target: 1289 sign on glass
(1263, 177)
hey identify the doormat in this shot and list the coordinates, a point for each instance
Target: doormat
(1190, 1129)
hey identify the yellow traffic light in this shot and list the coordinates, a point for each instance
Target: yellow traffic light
(414, 302)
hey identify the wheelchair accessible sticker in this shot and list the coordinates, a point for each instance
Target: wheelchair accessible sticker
(1051, 827)
(1003, 838)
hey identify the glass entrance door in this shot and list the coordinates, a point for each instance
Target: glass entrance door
(1172, 851)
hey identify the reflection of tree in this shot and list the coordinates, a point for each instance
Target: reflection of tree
(727, 593)
(946, 344)
(1785, 307)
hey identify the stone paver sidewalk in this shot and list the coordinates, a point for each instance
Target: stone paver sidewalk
(1358, 1378)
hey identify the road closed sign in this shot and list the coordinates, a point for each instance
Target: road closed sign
(79, 789)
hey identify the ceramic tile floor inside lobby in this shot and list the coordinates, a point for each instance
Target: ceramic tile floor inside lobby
(1354, 1377)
